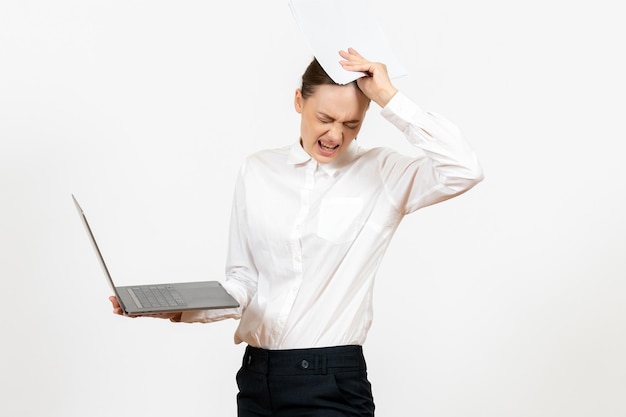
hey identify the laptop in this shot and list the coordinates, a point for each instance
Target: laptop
(162, 298)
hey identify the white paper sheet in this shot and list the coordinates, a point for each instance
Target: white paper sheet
(333, 25)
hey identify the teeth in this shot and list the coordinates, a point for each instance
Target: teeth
(326, 147)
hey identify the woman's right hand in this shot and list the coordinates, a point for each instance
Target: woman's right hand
(117, 309)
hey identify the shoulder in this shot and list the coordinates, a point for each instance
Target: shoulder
(378, 154)
(273, 153)
(267, 155)
(384, 158)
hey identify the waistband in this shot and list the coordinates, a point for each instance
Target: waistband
(304, 361)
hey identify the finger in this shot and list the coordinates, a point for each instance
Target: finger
(350, 53)
(113, 300)
(117, 308)
(351, 58)
(116, 305)
(355, 64)
(354, 52)
(367, 67)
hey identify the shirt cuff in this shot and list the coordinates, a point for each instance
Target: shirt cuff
(207, 316)
(401, 110)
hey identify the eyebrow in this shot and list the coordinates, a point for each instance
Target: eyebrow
(327, 116)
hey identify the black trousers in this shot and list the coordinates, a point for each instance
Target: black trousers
(319, 382)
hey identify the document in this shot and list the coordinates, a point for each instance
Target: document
(333, 25)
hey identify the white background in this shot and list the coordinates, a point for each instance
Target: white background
(509, 300)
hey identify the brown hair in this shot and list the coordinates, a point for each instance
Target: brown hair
(314, 76)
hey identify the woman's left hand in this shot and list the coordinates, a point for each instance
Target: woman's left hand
(376, 85)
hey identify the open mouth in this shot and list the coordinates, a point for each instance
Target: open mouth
(327, 148)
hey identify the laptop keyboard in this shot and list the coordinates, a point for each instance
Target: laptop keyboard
(156, 296)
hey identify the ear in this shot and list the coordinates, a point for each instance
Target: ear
(298, 101)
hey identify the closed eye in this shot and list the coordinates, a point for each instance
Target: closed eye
(350, 124)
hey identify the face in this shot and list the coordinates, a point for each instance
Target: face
(331, 119)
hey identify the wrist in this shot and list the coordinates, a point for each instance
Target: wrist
(385, 96)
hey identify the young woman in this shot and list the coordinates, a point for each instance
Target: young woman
(310, 225)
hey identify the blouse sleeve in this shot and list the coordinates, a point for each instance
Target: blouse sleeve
(241, 274)
(446, 167)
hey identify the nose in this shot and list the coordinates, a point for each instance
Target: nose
(336, 132)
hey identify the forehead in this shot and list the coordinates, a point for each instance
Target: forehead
(337, 100)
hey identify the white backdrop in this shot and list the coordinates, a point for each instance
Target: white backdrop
(507, 301)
